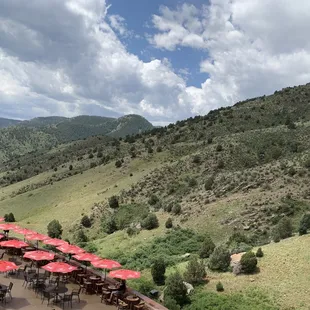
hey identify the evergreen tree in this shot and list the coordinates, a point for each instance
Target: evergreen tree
(54, 229)
(158, 271)
(207, 248)
(195, 271)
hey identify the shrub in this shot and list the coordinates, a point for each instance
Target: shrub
(307, 163)
(143, 286)
(168, 207)
(192, 182)
(209, 183)
(150, 150)
(54, 229)
(176, 289)
(92, 165)
(150, 222)
(169, 223)
(171, 304)
(197, 159)
(207, 248)
(110, 226)
(210, 140)
(176, 209)
(158, 271)
(113, 202)
(81, 237)
(132, 231)
(219, 148)
(248, 262)
(159, 149)
(304, 224)
(283, 229)
(91, 155)
(220, 164)
(70, 167)
(118, 163)
(219, 287)
(85, 221)
(153, 200)
(219, 259)
(259, 252)
(195, 271)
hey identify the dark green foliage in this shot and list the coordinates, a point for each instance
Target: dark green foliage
(219, 287)
(307, 163)
(118, 163)
(142, 285)
(9, 217)
(91, 155)
(92, 165)
(209, 183)
(110, 226)
(159, 149)
(195, 271)
(70, 167)
(176, 209)
(207, 248)
(192, 182)
(283, 229)
(197, 159)
(171, 304)
(248, 262)
(158, 271)
(219, 259)
(259, 252)
(169, 223)
(219, 148)
(113, 202)
(132, 231)
(220, 164)
(150, 222)
(81, 237)
(153, 200)
(85, 221)
(150, 150)
(176, 289)
(54, 229)
(304, 224)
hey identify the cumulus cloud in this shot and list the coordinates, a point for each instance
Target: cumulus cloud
(64, 57)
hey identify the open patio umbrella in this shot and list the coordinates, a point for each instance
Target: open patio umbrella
(59, 267)
(36, 237)
(39, 255)
(106, 264)
(2, 219)
(55, 242)
(87, 257)
(14, 244)
(7, 226)
(24, 231)
(70, 249)
(124, 274)
(2, 236)
(7, 266)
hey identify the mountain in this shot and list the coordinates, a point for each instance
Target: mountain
(46, 132)
(235, 175)
(6, 122)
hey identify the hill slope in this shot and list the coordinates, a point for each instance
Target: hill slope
(6, 122)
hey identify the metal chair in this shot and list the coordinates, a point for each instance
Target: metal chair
(67, 298)
(9, 290)
(76, 292)
(48, 296)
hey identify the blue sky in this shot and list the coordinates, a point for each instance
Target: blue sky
(166, 60)
(138, 15)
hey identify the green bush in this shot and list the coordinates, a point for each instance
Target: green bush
(176, 209)
(192, 182)
(125, 215)
(219, 287)
(118, 163)
(283, 229)
(113, 202)
(209, 183)
(176, 289)
(197, 159)
(153, 200)
(219, 148)
(150, 222)
(110, 226)
(169, 223)
(248, 262)
(54, 229)
(259, 252)
(158, 271)
(9, 217)
(142, 285)
(80, 236)
(195, 271)
(304, 224)
(207, 248)
(85, 221)
(219, 259)
(171, 304)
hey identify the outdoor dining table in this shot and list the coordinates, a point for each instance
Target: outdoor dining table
(132, 301)
(3, 288)
(113, 287)
(57, 291)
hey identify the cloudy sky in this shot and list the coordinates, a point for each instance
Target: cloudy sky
(163, 59)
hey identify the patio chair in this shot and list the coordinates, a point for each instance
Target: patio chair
(22, 269)
(76, 292)
(67, 298)
(27, 281)
(2, 254)
(105, 296)
(47, 296)
(121, 305)
(9, 290)
(2, 297)
(140, 306)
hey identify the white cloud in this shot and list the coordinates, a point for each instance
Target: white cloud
(251, 47)
(118, 23)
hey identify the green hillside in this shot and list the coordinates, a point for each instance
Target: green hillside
(6, 122)
(233, 174)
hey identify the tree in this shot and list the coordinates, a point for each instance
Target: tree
(248, 262)
(176, 289)
(169, 223)
(81, 237)
(197, 159)
(85, 221)
(209, 183)
(118, 163)
(70, 167)
(176, 209)
(54, 229)
(150, 222)
(219, 259)
(158, 271)
(113, 202)
(283, 229)
(207, 248)
(259, 252)
(304, 224)
(219, 287)
(153, 200)
(110, 226)
(195, 271)
(171, 304)
(9, 217)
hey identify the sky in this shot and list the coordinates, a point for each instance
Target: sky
(163, 59)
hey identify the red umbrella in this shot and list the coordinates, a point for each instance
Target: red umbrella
(124, 274)
(70, 249)
(7, 266)
(14, 244)
(24, 231)
(59, 267)
(2, 236)
(39, 255)
(106, 264)
(55, 242)
(37, 237)
(87, 257)
(8, 226)
(2, 219)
